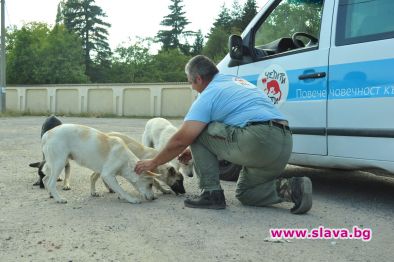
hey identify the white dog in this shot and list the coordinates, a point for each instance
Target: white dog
(156, 134)
(166, 177)
(166, 172)
(106, 155)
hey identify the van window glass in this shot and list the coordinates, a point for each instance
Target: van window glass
(364, 20)
(274, 35)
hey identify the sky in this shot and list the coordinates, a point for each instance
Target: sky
(128, 18)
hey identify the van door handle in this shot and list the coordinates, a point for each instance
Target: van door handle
(312, 76)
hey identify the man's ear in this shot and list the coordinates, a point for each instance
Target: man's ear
(198, 79)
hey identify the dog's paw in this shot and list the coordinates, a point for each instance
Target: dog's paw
(66, 188)
(61, 201)
(167, 192)
(95, 194)
(133, 201)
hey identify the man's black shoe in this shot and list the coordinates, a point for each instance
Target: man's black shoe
(299, 191)
(301, 194)
(209, 200)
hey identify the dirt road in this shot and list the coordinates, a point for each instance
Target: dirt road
(35, 228)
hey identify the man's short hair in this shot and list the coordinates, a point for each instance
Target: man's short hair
(201, 65)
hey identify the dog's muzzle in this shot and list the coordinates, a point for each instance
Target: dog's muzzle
(178, 187)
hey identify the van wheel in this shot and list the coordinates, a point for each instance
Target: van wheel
(229, 171)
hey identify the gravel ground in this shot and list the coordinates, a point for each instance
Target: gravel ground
(35, 228)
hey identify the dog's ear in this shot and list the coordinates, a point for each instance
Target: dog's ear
(36, 164)
(172, 171)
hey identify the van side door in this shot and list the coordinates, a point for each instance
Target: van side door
(288, 58)
(361, 86)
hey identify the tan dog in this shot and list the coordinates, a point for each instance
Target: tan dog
(157, 133)
(105, 155)
(166, 173)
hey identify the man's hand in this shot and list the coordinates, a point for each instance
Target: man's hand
(145, 165)
(185, 156)
(176, 146)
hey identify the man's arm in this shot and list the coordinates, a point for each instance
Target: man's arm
(184, 137)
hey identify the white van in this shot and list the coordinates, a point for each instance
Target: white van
(329, 67)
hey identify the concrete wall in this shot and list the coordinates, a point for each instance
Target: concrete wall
(157, 99)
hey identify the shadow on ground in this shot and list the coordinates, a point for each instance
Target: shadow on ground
(348, 185)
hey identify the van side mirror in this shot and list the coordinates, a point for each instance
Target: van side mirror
(235, 47)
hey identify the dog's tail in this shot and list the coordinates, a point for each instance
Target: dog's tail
(36, 164)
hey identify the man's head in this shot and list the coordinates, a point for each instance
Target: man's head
(199, 71)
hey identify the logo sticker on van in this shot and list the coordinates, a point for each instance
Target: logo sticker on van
(274, 82)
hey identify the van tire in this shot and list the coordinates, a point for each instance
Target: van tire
(228, 171)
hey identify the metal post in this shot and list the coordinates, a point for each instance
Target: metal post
(2, 60)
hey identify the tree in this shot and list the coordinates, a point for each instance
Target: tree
(198, 44)
(63, 58)
(168, 66)
(24, 57)
(228, 22)
(59, 14)
(176, 21)
(224, 19)
(85, 18)
(216, 46)
(236, 15)
(130, 62)
(37, 55)
(248, 12)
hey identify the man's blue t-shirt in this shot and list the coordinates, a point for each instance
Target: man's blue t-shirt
(233, 101)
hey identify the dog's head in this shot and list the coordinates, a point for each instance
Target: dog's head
(186, 169)
(172, 178)
(51, 122)
(144, 184)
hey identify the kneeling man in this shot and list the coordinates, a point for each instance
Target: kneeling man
(235, 121)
